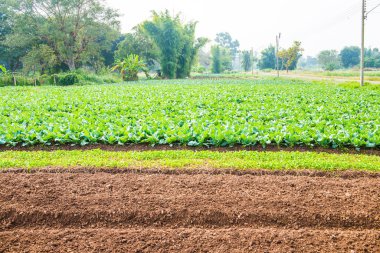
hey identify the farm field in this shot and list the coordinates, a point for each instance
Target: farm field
(142, 127)
(193, 113)
(222, 165)
(163, 212)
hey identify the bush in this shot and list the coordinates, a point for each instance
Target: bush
(88, 77)
(68, 79)
(61, 79)
(130, 67)
(199, 69)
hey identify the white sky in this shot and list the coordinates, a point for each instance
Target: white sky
(318, 24)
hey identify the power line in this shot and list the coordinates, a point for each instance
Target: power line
(374, 8)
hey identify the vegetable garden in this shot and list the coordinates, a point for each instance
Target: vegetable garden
(193, 113)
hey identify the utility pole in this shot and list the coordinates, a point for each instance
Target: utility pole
(278, 37)
(364, 16)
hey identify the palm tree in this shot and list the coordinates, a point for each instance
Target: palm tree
(130, 67)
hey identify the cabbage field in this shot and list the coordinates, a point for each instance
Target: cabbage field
(193, 113)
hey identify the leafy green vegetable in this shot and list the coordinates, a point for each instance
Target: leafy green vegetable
(194, 113)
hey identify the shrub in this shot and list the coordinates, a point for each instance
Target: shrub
(68, 79)
(130, 67)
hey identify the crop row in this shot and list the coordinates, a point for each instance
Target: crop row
(194, 113)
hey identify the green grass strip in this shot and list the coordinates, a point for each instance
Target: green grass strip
(241, 160)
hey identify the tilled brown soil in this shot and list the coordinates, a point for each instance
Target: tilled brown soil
(103, 212)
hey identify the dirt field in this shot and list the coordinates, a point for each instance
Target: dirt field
(103, 212)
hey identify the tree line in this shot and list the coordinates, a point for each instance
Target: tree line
(348, 57)
(48, 37)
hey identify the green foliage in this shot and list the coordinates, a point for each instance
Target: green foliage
(291, 55)
(138, 43)
(166, 33)
(216, 60)
(350, 56)
(221, 59)
(65, 79)
(80, 77)
(268, 58)
(8, 80)
(89, 78)
(3, 69)
(130, 67)
(78, 31)
(247, 61)
(39, 59)
(176, 43)
(16, 37)
(192, 112)
(329, 60)
(187, 159)
(190, 50)
(225, 40)
(372, 58)
(199, 69)
(68, 79)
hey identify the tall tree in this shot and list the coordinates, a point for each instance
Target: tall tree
(166, 32)
(176, 43)
(372, 58)
(78, 31)
(40, 59)
(221, 59)
(16, 36)
(138, 43)
(225, 40)
(329, 60)
(350, 56)
(268, 58)
(291, 55)
(190, 50)
(247, 60)
(216, 60)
